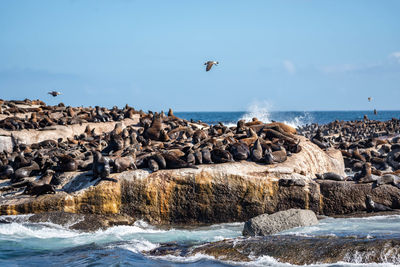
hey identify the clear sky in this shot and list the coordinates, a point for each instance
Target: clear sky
(289, 55)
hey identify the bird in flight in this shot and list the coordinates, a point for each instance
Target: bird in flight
(54, 93)
(369, 99)
(210, 64)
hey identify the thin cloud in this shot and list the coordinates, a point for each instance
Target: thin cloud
(396, 56)
(289, 66)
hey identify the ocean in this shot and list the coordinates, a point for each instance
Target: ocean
(44, 244)
(293, 118)
(23, 243)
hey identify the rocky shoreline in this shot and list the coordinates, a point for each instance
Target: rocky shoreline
(97, 168)
(232, 191)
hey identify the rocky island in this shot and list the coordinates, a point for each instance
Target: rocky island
(102, 167)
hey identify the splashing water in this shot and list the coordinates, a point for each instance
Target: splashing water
(262, 113)
(259, 111)
(37, 244)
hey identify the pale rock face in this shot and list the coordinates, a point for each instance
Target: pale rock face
(266, 224)
(213, 193)
(31, 136)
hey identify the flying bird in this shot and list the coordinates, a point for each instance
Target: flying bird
(369, 99)
(210, 64)
(54, 93)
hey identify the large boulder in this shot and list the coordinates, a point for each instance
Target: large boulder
(266, 224)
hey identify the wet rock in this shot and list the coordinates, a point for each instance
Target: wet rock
(267, 224)
(82, 222)
(297, 250)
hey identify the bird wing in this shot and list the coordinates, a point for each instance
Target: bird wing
(209, 65)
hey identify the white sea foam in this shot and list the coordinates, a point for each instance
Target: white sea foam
(17, 230)
(139, 246)
(261, 111)
(193, 258)
(301, 120)
(144, 237)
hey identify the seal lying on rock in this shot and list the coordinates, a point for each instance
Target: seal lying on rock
(37, 189)
(330, 176)
(375, 207)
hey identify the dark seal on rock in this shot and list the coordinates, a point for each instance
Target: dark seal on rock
(36, 189)
(375, 207)
(330, 176)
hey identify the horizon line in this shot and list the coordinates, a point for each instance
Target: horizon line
(381, 110)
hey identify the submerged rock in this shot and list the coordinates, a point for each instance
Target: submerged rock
(267, 224)
(82, 222)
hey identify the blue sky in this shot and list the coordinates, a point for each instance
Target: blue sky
(288, 55)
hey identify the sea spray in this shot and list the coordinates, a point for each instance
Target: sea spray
(259, 110)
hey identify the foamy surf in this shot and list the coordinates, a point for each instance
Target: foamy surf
(262, 111)
(141, 237)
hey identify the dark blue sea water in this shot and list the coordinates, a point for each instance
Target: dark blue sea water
(32, 244)
(294, 118)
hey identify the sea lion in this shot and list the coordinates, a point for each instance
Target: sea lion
(279, 156)
(24, 172)
(388, 179)
(67, 164)
(268, 157)
(357, 155)
(199, 135)
(366, 175)
(121, 164)
(206, 156)
(291, 182)
(190, 158)
(330, 176)
(254, 121)
(158, 157)
(375, 207)
(101, 166)
(319, 140)
(219, 155)
(239, 151)
(154, 131)
(199, 157)
(240, 127)
(6, 171)
(152, 165)
(257, 152)
(36, 189)
(174, 162)
(284, 127)
(46, 177)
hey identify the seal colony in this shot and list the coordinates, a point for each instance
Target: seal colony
(35, 114)
(159, 141)
(371, 149)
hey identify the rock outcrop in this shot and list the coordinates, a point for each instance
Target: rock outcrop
(212, 193)
(297, 250)
(268, 224)
(31, 136)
